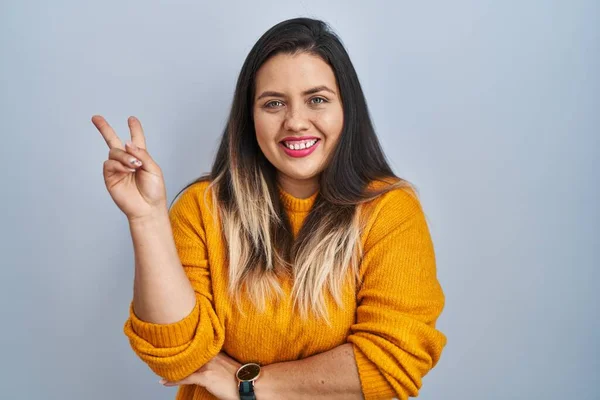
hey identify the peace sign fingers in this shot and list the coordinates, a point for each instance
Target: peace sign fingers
(135, 182)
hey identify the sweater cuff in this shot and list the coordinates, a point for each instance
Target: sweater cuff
(166, 335)
(373, 383)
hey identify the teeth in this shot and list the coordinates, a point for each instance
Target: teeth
(305, 144)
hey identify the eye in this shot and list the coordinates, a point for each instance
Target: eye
(319, 98)
(268, 105)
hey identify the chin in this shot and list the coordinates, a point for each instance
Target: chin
(299, 175)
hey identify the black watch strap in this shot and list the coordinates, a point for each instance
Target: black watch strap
(247, 391)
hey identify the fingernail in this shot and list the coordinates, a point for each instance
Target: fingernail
(135, 161)
(162, 381)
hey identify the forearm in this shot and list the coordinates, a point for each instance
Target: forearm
(162, 293)
(329, 375)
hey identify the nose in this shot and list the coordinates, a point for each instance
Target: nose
(295, 121)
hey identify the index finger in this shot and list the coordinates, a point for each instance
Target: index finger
(109, 135)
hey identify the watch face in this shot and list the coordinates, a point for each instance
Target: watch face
(248, 372)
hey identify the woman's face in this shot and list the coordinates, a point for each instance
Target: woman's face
(297, 98)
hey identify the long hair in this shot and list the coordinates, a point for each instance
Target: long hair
(261, 247)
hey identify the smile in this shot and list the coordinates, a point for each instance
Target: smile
(299, 149)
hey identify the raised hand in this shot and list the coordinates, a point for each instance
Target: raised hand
(137, 189)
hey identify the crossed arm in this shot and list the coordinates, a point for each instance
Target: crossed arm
(392, 344)
(329, 375)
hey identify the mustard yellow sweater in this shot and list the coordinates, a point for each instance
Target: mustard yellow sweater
(390, 319)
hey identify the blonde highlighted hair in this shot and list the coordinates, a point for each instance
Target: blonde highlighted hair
(261, 249)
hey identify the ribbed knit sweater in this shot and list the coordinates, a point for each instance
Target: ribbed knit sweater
(390, 318)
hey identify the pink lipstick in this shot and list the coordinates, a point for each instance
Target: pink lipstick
(300, 152)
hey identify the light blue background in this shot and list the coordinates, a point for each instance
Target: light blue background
(489, 107)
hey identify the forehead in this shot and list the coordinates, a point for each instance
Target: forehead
(285, 72)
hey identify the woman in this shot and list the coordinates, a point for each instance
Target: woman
(301, 266)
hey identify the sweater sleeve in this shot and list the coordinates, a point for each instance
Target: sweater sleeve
(394, 338)
(176, 350)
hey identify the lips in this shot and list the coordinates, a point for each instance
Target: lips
(299, 153)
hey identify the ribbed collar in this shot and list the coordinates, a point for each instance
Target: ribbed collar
(292, 203)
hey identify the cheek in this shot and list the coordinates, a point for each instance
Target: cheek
(266, 129)
(331, 125)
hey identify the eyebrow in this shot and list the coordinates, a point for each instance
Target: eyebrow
(316, 89)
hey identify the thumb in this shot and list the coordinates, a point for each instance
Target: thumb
(186, 381)
(148, 163)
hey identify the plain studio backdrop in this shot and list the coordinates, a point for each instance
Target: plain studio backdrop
(489, 107)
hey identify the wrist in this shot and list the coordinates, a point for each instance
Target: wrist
(262, 386)
(155, 218)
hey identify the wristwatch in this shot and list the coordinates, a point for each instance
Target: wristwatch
(246, 376)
